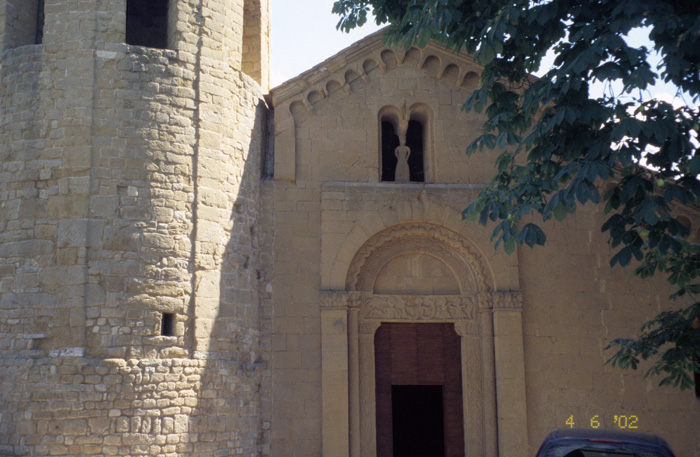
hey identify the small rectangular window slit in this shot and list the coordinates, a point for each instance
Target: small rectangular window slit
(167, 327)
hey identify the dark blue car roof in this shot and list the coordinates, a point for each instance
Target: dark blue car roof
(566, 434)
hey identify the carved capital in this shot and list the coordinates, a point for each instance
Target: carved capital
(334, 299)
(355, 299)
(485, 301)
(508, 300)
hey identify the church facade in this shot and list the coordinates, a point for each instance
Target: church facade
(195, 264)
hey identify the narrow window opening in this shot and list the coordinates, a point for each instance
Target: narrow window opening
(167, 327)
(390, 141)
(417, 421)
(414, 140)
(403, 144)
(147, 23)
(39, 34)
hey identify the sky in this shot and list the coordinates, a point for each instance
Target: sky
(304, 34)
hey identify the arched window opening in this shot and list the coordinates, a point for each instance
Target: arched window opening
(147, 23)
(403, 145)
(390, 141)
(414, 141)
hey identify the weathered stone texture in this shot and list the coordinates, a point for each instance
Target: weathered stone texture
(84, 406)
(130, 187)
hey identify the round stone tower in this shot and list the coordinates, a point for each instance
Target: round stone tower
(131, 144)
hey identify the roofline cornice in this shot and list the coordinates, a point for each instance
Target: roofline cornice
(349, 58)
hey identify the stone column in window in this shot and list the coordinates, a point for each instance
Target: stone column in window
(402, 151)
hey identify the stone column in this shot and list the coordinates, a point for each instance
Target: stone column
(334, 375)
(488, 377)
(354, 378)
(368, 400)
(475, 397)
(510, 373)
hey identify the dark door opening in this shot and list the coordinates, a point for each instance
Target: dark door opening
(418, 390)
(417, 421)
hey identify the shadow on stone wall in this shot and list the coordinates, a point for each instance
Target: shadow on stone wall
(228, 418)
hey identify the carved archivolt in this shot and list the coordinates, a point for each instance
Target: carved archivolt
(448, 246)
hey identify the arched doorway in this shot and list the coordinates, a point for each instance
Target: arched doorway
(418, 276)
(422, 273)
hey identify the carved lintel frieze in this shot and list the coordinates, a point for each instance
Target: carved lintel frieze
(420, 307)
(508, 300)
(334, 299)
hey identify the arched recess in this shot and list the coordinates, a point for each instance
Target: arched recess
(351, 318)
(338, 260)
(470, 270)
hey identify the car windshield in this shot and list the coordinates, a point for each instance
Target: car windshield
(611, 450)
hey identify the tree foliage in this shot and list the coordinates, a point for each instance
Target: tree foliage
(560, 145)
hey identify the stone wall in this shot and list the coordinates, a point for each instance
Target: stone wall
(574, 305)
(256, 41)
(85, 406)
(545, 315)
(130, 188)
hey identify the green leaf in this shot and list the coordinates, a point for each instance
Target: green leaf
(532, 235)
(561, 211)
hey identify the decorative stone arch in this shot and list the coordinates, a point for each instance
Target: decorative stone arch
(436, 240)
(350, 318)
(366, 231)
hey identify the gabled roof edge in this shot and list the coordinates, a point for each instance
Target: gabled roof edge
(348, 56)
